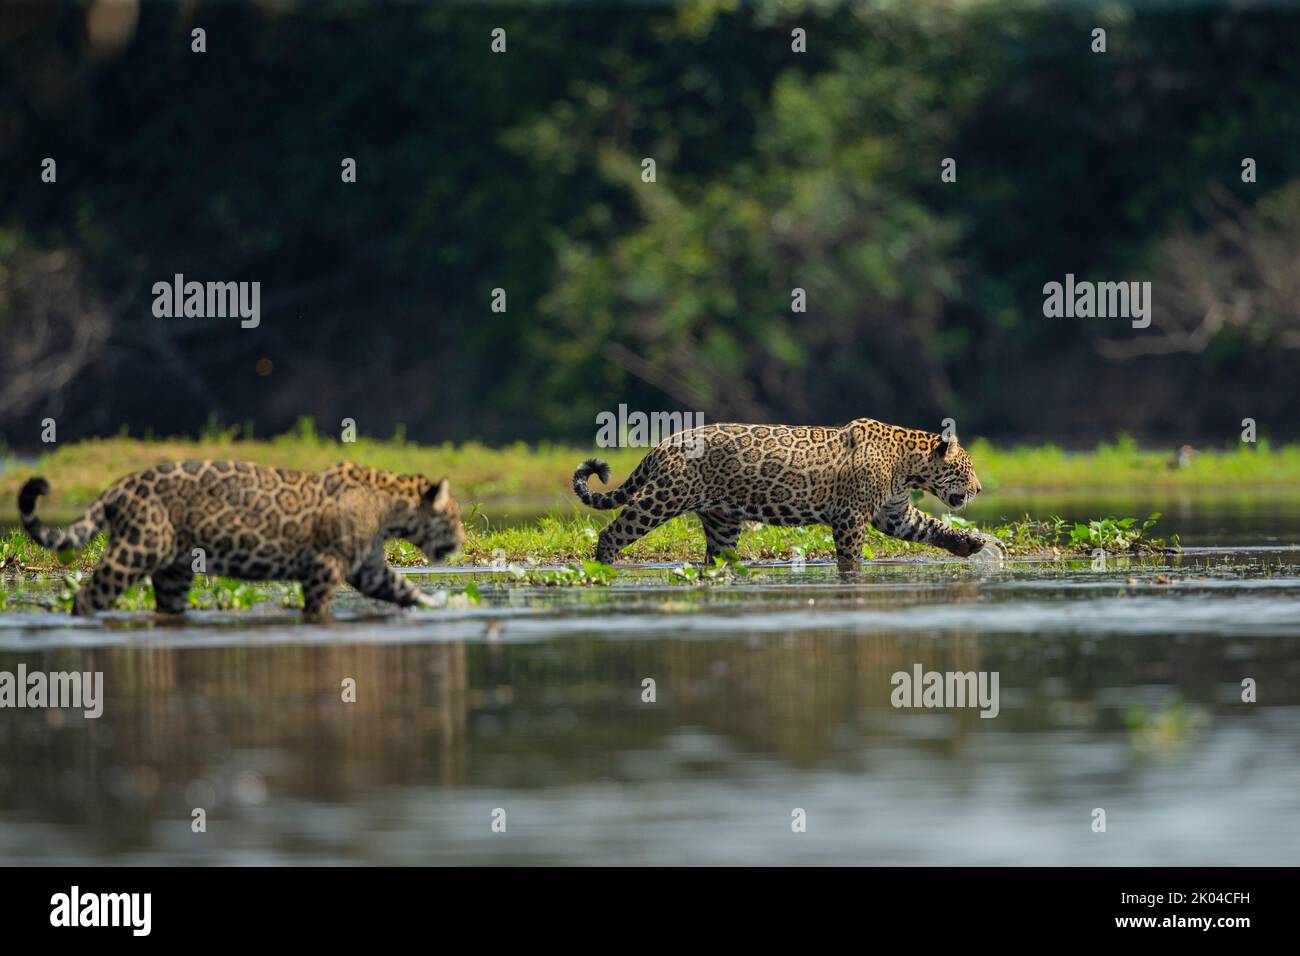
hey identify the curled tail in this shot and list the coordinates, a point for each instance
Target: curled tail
(603, 501)
(74, 536)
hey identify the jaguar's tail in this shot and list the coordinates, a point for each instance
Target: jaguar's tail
(603, 501)
(74, 536)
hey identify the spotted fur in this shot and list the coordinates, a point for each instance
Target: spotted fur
(845, 477)
(255, 523)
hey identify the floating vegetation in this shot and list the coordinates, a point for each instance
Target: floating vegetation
(725, 567)
(568, 541)
(579, 574)
(1167, 729)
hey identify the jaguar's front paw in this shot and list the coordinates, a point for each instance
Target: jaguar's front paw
(964, 547)
(963, 543)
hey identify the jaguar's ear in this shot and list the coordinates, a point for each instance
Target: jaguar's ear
(944, 449)
(438, 493)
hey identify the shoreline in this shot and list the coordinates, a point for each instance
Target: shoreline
(538, 476)
(555, 540)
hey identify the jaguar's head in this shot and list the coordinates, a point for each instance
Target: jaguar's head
(945, 471)
(433, 525)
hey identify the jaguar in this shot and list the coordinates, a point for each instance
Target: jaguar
(851, 477)
(254, 522)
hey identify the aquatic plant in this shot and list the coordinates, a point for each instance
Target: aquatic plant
(581, 574)
(725, 567)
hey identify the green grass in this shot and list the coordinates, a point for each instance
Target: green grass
(567, 543)
(208, 593)
(554, 540)
(78, 472)
(1123, 466)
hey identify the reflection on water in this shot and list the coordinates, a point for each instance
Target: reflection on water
(1120, 689)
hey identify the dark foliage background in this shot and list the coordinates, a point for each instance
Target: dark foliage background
(775, 170)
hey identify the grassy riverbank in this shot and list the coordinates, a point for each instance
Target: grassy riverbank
(567, 543)
(79, 472)
(552, 540)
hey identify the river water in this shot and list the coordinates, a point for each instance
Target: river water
(522, 730)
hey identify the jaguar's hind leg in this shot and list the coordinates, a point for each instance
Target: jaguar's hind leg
(632, 523)
(113, 578)
(323, 577)
(721, 533)
(171, 588)
(850, 535)
(139, 541)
